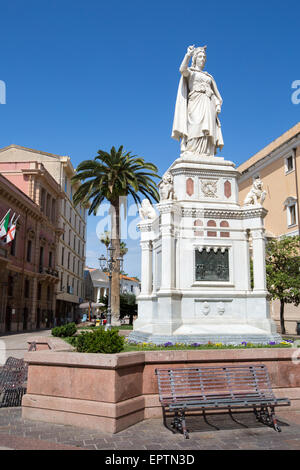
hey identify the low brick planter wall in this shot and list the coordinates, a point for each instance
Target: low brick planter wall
(113, 391)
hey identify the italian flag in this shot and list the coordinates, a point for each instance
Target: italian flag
(4, 224)
(11, 232)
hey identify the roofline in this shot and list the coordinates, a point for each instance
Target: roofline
(270, 148)
(41, 152)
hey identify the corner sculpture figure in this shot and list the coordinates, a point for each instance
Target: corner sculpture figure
(146, 210)
(256, 195)
(166, 188)
(198, 104)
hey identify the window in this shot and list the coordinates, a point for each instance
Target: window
(39, 291)
(13, 246)
(66, 184)
(41, 257)
(26, 288)
(62, 256)
(10, 286)
(29, 248)
(50, 259)
(292, 214)
(289, 164)
(43, 200)
(53, 211)
(48, 210)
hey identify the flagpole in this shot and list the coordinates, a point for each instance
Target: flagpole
(5, 216)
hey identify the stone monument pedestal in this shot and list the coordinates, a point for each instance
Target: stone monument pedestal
(195, 279)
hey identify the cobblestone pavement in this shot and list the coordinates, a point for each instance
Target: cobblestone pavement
(16, 433)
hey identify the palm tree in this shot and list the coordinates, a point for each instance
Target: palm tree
(108, 177)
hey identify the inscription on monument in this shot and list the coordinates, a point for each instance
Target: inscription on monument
(212, 265)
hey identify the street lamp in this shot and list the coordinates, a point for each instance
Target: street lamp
(112, 264)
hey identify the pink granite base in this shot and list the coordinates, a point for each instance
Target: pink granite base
(114, 391)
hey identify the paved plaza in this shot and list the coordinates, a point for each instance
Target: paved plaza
(240, 431)
(19, 434)
(15, 344)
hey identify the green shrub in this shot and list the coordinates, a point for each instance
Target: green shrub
(100, 341)
(64, 331)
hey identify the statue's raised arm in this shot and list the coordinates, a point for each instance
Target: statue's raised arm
(196, 123)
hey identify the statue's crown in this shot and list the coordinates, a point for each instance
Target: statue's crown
(200, 49)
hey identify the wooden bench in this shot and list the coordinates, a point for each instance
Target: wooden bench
(217, 388)
(13, 377)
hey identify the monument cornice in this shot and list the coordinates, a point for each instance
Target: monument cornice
(203, 172)
(145, 226)
(166, 208)
(243, 213)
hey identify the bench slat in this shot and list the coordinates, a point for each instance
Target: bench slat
(204, 384)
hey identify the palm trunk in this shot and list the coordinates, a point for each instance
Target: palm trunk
(115, 282)
(282, 327)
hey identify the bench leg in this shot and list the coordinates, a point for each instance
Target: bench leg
(176, 422)
(267, 418)
(183, 425)
(274, 420)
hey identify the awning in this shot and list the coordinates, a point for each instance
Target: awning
(92, 304)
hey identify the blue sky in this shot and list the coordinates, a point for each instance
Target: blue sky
(84, 75)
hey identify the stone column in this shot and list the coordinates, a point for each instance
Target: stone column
(167, 249)
(259, 261)
(146, 272)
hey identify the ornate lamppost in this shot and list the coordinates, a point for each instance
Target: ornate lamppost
(112, 264)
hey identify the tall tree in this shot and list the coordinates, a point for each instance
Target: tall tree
(283, 272)
(110, 176)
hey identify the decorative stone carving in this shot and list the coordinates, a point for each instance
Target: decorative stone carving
(221, 308)
(209, 188)
(227, 189)
(205, 308)
(256, 195)
(190, 186)
(146, 210)
(166, 188)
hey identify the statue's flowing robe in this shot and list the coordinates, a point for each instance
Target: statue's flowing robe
(195, 111)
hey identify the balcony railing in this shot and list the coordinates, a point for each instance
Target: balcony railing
(49, 271)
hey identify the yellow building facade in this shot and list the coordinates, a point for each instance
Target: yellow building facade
(278, 167)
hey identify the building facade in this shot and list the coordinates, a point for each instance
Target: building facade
(71, 223)
(27, 265)
(278, 167)
(97, 284)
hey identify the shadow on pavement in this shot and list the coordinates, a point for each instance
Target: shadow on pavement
(221, 421)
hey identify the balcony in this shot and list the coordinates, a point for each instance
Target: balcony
(49, 273)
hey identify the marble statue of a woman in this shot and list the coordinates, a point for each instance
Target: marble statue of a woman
(198, 104)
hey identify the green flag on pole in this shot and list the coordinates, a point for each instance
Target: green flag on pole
(4, 224)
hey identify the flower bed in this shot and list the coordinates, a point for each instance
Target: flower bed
(131, 346)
